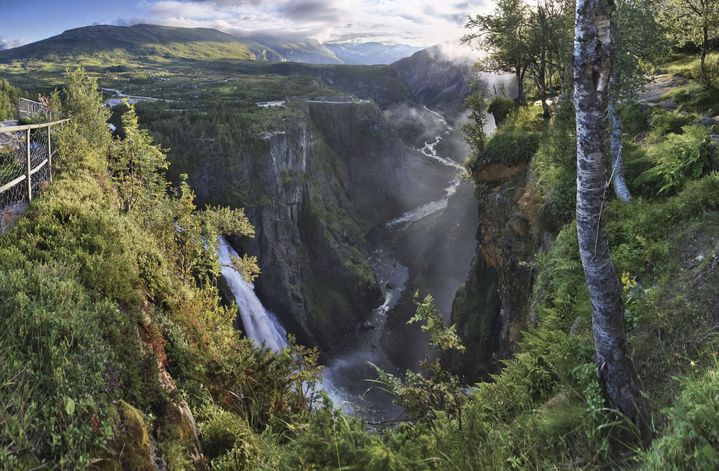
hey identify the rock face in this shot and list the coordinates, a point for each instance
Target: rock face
(313, 191)
(494, 305)
(442, 77)
(386, 178)
(437, 80)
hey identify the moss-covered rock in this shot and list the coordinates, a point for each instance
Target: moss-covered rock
(133, 445)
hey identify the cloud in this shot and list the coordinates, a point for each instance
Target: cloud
(11, 43)
(415, 22)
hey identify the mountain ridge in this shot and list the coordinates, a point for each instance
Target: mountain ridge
(149, 41)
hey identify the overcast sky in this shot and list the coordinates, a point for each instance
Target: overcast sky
(415, 22)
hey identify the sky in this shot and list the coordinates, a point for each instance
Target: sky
(414, 22)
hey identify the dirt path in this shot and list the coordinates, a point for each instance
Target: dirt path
(655, 92)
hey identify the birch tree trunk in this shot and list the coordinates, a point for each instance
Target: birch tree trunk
(592, 69)
(621, 190)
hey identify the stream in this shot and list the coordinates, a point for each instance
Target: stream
(118, 97)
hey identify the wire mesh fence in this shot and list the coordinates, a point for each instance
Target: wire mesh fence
(32, 111)
(25, 167)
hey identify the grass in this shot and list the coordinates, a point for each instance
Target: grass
(679, 64)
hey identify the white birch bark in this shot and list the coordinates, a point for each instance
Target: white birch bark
(619, 183)
(592, 69)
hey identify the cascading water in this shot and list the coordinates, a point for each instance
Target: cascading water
(260, 325)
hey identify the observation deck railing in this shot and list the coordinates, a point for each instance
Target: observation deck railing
(26, 164)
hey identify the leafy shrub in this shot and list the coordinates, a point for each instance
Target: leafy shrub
(500, 108)
(228, 440)
(510, 147)
(635, 120)
(678, 159)
(708, 77)
(665, 122)
(8, 99)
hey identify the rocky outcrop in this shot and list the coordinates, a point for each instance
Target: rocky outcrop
(494, 305)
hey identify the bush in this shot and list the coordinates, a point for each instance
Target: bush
(8, 99)
(510, 147)
(500, 108)
(665, 122)
(709, 76)
(678, 159)
(228, 437)
(635, 120)
(555, 167)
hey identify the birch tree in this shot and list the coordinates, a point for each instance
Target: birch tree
(638, 40)
(592, 72)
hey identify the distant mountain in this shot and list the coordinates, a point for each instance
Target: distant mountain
(305, 50)
(153, 42)
(439, 77)
(138, 41)
(370, 53)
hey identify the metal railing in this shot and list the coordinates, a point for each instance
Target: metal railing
(30, 110)
(26, 155)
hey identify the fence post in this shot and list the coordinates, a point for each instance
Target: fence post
(29, 169)
(49, 153)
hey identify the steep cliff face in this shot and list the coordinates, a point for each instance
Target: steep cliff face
(309, 240)
(314, 190)
(494, 305)
(386, 177)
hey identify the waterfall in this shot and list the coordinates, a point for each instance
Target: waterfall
(260, 325)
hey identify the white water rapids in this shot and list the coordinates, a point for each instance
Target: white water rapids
(430, 151)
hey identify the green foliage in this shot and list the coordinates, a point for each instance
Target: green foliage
(694, 24)
(708, 76)
(677, 160)
(135, 164)
(694, 98)
(515, 141)
(229, 442)
(474, 130)
(98, 303)
(444, 338)
(86, 134)
(692, 438)
(500, 107)
(8, 99)
(435, 390)
(635, 120)
(663, 122)
(554, 167)
(640, 44)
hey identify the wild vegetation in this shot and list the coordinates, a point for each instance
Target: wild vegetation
(118, 352)
(8, 99)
